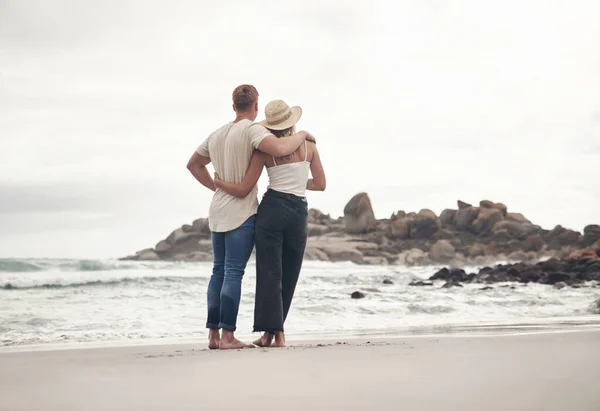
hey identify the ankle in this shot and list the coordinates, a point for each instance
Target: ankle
(227, 335)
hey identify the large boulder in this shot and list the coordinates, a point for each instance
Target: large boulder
(486, 219)
(517, 218)
(512, 227)
(359, 217)
(162, 247)
(414, 256)
(442, 251)
(317, 217)
(400, 226)
(591, 234)
(201, 226)
(533, 243)
(424, 225)
(447, 217)
(591, 253)
(147, 255)
(464, 217)
(491, 205)
(317, 229)
(462, 205)
(565, 236)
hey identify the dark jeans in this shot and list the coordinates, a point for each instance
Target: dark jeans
(281, 233)
(231, 251)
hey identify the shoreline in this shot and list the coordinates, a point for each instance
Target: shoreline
(481, 330)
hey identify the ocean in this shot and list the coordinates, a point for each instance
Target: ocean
(80, 302)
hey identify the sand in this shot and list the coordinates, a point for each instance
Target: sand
(549, 371)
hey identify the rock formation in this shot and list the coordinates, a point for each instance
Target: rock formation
(479, 235)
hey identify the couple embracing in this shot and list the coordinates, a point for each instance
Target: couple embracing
(239, 151)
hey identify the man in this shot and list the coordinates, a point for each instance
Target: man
(231, 219)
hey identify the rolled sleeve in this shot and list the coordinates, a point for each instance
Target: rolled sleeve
(257, 134)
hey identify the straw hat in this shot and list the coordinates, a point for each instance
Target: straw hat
(280, 116)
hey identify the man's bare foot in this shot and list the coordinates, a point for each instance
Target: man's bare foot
(229, 342)
(233, 344)
(279, 339)
(213, 339)
(265, 341)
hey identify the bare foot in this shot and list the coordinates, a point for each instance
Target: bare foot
(265, 341)
(229, 342)
(213, 339)
(279, 339)
(233, 344)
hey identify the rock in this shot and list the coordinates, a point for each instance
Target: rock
(358, 215)
(357, 294)
(513, 227)
(554, 278)
(517, 256)
(366, 246)
(486, 288)
(162, 247)
(565, 236)
(199, 256)
(560, 285)
(375, 261)
(312, 253)
(533, 243)
(591, 234)
(424, 225)
(454, 274)
(343, 253)
(464, 217)
(447, 217)
(179, 236)
(491, 205)
(442, 251)
(317, 217)
(486, 219)
(400, 228)
(591, 253)
(420, 284)
(147, 255)
(451, 283)
(387, 281)
(517, 218)
(414, 256)
(186, 228)
(475, 250)
(462, 205)
(201, 226)
(317, 229)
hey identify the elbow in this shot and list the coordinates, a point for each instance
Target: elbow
(321, 186)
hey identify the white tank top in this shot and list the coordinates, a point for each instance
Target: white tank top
(290, 178)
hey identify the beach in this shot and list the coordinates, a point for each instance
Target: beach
(553, 370)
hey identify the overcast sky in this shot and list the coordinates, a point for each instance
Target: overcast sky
(418, 103)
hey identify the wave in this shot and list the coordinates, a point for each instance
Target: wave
(18, 266)
(32, 265)
(106, 283)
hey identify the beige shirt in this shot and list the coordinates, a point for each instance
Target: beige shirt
(230, 149)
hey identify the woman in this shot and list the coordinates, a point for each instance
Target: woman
(281, 223)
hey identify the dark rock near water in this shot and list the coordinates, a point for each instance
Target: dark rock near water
(420, 284)
(452, 283)
(357, 295)
(388, 281)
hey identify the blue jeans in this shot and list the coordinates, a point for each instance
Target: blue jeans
(231, 251)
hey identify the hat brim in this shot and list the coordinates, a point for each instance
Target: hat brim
(296, 114)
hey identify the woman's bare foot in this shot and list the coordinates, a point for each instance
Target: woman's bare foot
(279, 339)
(265, 341)
(213, 339)
(229, 342)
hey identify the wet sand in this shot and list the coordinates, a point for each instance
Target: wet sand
(550, 371)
